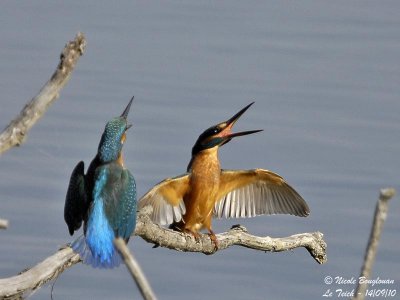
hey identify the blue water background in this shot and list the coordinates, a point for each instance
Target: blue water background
(325, 78)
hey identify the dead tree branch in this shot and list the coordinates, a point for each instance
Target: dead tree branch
(28, 281)
(381, 210)
(238, 236)
(135, 270)
(15, 133)
(51, 267)
(21, 285)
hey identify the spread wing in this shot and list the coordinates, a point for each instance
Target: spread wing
(75, 201)
(248, 193)
(116, 188)
(166, 198)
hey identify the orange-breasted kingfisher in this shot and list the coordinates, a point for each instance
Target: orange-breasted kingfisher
(104, 199)
(189, 201)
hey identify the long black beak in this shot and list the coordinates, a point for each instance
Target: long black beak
(126, 112)
(128, 107)
(232, 121)
(235, 134)
(238, 115)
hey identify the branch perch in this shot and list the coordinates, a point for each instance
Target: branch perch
(381, 210)
(15, 133)
(32, 279)
(238, 235)
(28, 281)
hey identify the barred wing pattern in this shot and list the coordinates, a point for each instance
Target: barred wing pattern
(248, 193)
(166, 198)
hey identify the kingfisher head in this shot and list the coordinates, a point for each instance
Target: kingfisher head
(220, 134)
(114, 136)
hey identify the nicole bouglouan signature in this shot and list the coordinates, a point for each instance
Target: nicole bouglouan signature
(342, 287)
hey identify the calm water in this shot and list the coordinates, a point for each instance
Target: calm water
(325, 78)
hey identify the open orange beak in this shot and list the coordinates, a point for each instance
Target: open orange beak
(227, 133)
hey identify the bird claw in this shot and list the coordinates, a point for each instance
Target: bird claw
(194, 234)
(211, 234)
(214, 239)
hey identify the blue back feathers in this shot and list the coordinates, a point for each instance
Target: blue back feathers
(99, 234)
(104, 199)
(112, 214)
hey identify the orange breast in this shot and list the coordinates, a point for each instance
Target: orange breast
(204, 187)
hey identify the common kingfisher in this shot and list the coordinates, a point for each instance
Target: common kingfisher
(104, 199)
(189, 201)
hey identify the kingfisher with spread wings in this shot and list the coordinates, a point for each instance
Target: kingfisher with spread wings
(191, 200)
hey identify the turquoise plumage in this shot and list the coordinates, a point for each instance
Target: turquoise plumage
(104, 199)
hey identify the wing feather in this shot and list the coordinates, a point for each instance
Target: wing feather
(118, 192)
(166, 198)
(75, 200)
(248, 193)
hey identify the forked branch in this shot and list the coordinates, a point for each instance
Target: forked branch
(23, 284)
(51, 267)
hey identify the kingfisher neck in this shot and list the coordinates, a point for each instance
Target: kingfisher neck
(120, 160)
(203, 159)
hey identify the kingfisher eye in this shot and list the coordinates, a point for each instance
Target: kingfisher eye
(211, 131)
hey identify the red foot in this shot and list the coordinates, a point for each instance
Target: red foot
(213, 239)
(196, 235)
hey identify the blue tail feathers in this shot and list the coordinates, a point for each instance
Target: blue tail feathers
(99, 260)
(96, 247)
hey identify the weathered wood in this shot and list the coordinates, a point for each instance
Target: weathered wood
(51, 267)
(135, 270)
(21, 285)
(381, 210)
(15, 133)
(238, 236)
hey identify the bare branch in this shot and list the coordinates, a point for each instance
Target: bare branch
(3, 224)
(47, 270)
(381, 210)
(238, 235)
(15, 133)
(23, 284)
(135, 270)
